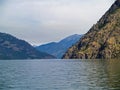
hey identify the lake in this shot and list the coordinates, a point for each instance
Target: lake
(60, 75)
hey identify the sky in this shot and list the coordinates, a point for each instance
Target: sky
(42, 21)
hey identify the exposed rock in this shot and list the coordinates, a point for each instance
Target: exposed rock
(102, 40)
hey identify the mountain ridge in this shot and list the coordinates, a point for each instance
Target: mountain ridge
(13, 48)
(102, 40)
(57, 49)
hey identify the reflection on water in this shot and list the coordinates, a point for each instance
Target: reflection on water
(60, 75)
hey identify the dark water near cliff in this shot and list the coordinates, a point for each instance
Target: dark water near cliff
(60, 75)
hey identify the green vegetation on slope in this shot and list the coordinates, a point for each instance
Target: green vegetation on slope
(13, 48)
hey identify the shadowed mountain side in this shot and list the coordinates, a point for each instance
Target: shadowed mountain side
(58, 49)
(13, 48)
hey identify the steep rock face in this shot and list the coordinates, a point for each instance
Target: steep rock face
(58, 49)
(13, 48)
(102, 40)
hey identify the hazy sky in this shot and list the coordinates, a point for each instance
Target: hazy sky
(41, 21)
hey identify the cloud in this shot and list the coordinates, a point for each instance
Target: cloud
(42, 21)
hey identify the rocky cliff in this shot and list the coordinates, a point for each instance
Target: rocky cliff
(102, 40)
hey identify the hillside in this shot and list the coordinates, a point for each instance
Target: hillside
(13, 48)
(102, 40)
(57, 49)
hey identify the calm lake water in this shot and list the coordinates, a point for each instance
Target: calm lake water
(60, 75)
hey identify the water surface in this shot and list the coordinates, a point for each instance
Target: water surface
(60, 75)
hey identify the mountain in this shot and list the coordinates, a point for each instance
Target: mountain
(13, 48)
(57, 49)
(102, 40)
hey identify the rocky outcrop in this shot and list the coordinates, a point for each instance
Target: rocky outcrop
(102, 40)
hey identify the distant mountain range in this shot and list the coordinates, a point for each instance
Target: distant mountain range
(57, 49)
(13, 48)
(102, 41)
